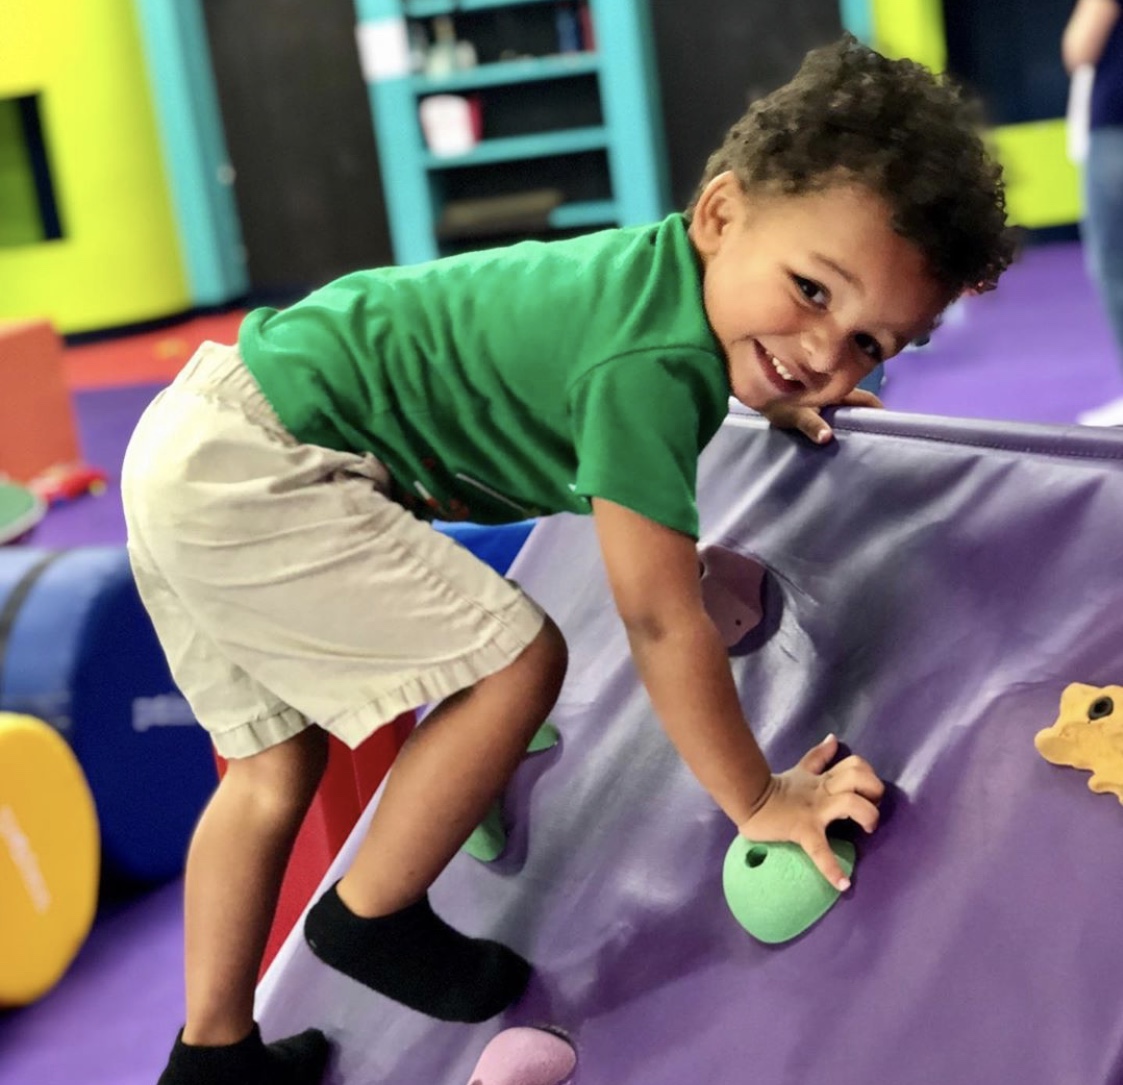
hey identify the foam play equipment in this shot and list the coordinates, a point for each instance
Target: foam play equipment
(78, 651)
(731, 592)
(774, 890)
(497, 545)
(939, 583)
(37, 427)
(20, 510)
(49, 858)
(525, 1056)
(1088, 734)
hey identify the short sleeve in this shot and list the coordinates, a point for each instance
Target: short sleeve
(640, 423)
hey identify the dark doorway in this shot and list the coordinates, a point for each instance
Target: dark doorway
(716, 56)
(1009, 53)
(298, 128)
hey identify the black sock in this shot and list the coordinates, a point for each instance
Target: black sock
(298, 1060)
(416, 958)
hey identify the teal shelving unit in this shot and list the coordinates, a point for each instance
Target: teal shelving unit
(581, 125)
(858, 18)
(523, 148)
(424, 8)
(510, 72)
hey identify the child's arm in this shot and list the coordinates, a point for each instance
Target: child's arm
(654, 576)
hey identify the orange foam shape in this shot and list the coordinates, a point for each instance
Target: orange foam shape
(37, 429)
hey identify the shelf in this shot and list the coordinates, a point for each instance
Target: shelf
(574, 216)
(514, 148)
(423, 9)
(582, 126)
(567, 216)
(562, 66)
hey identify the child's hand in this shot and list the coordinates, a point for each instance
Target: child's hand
(809, 421)
(803, 801)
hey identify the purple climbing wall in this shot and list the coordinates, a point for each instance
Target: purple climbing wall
(933, 585)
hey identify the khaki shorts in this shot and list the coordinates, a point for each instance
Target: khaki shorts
(286, 588)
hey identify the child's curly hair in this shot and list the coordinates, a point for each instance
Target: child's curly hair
(910, 136)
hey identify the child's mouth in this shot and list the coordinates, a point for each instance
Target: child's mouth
(777, 373)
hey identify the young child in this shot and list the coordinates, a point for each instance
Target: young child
(276, 494)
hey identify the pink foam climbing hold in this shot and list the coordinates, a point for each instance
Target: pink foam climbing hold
(731, 591)
(525, 1056)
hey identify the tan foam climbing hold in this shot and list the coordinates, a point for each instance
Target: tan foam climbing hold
(1088, 734)
(49, 858)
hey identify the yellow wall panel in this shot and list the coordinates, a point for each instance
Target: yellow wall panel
(1042, 185)
(118, 261)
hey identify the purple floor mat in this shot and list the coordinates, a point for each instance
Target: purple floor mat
(106, 419)
(112, 1019)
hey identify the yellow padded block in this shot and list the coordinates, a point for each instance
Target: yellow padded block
(1088, 734)
(49, 858)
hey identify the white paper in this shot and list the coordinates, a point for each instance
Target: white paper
(383, 49)
(1078, 115)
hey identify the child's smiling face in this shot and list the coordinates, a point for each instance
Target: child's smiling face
(807, 293)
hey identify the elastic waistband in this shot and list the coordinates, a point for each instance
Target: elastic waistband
(217, 370)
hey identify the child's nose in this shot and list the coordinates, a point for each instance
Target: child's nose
(824, 349)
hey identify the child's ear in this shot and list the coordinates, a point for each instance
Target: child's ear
(715, 211)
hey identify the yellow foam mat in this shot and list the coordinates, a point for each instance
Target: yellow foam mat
(49, 858)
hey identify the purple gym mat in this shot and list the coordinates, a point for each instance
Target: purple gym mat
(112, 1019)
(106, 418)
(933, 586)
(1037, 349)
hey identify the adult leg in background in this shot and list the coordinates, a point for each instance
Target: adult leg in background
(1102, 231)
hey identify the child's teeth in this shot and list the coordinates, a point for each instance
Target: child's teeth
(778, 366)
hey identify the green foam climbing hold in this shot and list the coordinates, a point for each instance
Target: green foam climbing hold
(489, 838)
(774, 890)
(545, 738)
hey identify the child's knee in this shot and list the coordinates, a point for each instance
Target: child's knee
(551, 658)
(283, 777)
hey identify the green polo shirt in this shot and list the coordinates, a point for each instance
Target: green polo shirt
(513, 382)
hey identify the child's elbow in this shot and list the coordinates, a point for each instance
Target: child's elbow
(645, 626)
(653, 624)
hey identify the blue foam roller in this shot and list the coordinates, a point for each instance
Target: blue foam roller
(78, 651)
(496, 544)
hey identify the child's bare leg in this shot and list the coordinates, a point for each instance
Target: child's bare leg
(455, 765)
(376, 925)
(234, 872)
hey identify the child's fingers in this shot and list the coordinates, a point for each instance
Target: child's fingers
(805, 419)
(850, 806)
(819, 852)
(861, 398)
(810, 423)
(819, 757)
(854, 774)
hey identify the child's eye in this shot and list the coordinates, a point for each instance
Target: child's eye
(868, 345)
(811, 290)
